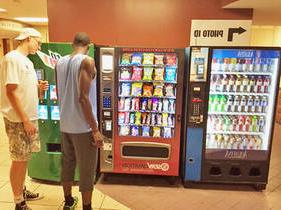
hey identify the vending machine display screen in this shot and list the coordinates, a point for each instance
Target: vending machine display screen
(43, 112)
(55, 113)
(147, 94)
(53, 93)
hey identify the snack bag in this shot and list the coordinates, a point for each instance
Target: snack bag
(143, 118)
(126, 58)
(170, 120)
(171, 59)
(159, 119)
(136, 58)
(121, 118)
(149, 104)
(125, 89)
(124, 130)
(160, 104)
(165, 105)
(158, 89)
(171, 73)
(135, 130)
(144, 104)
(136, 89)
(159, 59)
(147, 90)
(165, 119)
(127, 104)
(148, 119)
(145, 131)
(155, 104)
(137, 73)
(167, 132)
(156, 132)
(159, 74)
(127, 117)
(147, 73)
(169, 90)
(148, 58)
(153, 120)
(132, 118)
(125, 74)
(138, 118)
(121, 104)
(171, 105)
(135, 104)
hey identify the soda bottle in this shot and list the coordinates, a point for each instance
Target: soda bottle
(225, 64)
(244, 143)
(219, 139)
(264, 64)
(258, 142)
(227, 123)
(215, 64)
(259, 84)
(224, 83)
(219, 83)
(229, 104)
(246, 65)
(251, 143)
(252, 83)
(236, 103)
(247, 124)
(241, 122)
(264, 104)
(250, 104)
(222, 106)
(266, 83)
(239, 65)
(231, 142)
(245, 84)
(211, 102)
(237, 85)
(257, 67)
(261, 124)
(257, 104)
(235, 124)
(254, 124)
(216, 103)
(213, 83)
(231, 83)
(243, 104)
(232, 65)
(225, 141)
(250, 65)
(238, 142)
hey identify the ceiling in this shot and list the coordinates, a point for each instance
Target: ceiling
(24, 8)
(266, 12)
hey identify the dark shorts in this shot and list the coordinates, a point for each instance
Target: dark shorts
(21, 146)
(79, 148)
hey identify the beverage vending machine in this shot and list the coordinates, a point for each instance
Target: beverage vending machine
(140, 109)
(230, 114)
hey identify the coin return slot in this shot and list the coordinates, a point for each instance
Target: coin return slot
(235, 171)
(215, 171)
(255, 172)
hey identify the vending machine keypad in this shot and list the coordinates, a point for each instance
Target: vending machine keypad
(107, 101)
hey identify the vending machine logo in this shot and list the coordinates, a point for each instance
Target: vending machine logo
(49, 60)
(241, 155)
(162, 166)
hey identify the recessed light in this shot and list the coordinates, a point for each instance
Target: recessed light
(3, 10)
(32, 19)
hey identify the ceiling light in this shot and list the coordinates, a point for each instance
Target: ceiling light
(32, 19)
(3, 10)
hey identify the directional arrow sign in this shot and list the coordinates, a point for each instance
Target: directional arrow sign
(231, 31)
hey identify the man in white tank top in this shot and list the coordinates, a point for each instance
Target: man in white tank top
(80, 137)
(18, 104)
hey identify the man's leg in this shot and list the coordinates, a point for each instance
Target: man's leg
(68, 169)
(17, 178)
(86, 154)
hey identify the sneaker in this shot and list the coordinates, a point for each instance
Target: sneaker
(73, 206)
(22, 206)
(30, 196)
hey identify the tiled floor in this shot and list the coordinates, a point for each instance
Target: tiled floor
(154, 193)
(53, 193)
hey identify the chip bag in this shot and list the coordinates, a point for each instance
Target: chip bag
(125, 89)
(145, 131)
(147, 90)
(147, 73)
(136, 89)
(171, 73)
(136, 59)
(156, 132)
(159, 59)
(148, 58)
(126, 58)
(171, 59)
(169, 90)
(137, 73)
(158, 89)
(159, 74)
(124, 130)
(125, 74)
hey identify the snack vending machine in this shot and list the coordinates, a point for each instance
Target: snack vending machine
(140, 109)
(230, 114)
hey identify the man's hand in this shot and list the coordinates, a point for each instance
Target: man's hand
(98, 138)
(29, 128)
(43, 86)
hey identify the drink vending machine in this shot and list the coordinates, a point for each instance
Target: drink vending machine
(140, 109)
(230, 114)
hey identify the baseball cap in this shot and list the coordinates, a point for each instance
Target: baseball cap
(27, 32)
